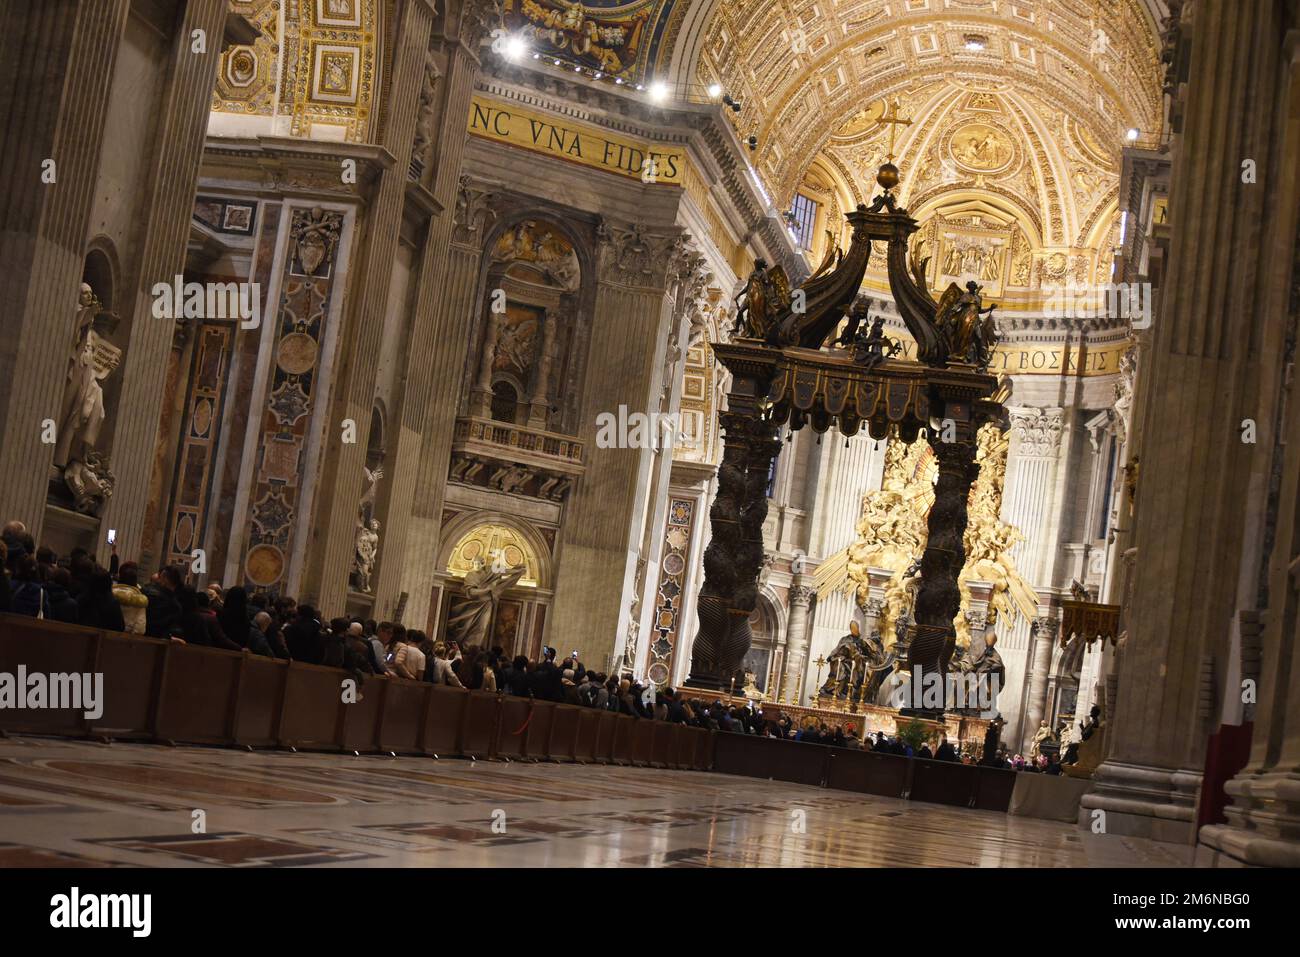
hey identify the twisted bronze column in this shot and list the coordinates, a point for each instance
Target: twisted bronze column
(938, 598)
(734, 557)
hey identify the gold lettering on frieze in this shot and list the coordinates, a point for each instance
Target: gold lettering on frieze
(1015, 359)
(501, 122)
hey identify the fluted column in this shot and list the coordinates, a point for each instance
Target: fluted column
(539, 402)
(440, 331)
(796, 656)
(1044, 637)
(1210, 357)
(1032, 503)
(55, 60)
(174, 159)
(342, 475)
(1263, 818)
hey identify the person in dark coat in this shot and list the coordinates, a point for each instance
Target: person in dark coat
(303, 636)
(28, 595)
(991, 736)
(945, 751)
(234, 616)
(96, 606)
(164, 612)
(62, 605)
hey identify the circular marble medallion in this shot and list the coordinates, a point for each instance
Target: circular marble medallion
(296, 353)
(264, 565)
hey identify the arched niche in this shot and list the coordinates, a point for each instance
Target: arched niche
(765, 628)
(527, 354)
(521, 616)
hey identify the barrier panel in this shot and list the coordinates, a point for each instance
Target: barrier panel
(681, 748)
(538, 734)
(943, 782)
(515, 715)
(773, 758)
(53, 648)
(993, 788)
(198, 697)
(562, 745)
(443, 721)
(588, 735)
(312, 713)
(132, 669)
(643, 742)
(624, 728)
(606, 731)
(661, 749)
(259, 691)
(704, 744)
(360, 720)
(402, 720)
(868, 773)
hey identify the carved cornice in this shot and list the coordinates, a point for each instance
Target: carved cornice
(282, 165)
(1038, 431)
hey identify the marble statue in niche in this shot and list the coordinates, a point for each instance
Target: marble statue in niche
(472, 616)
(366, 548)
(85, 468)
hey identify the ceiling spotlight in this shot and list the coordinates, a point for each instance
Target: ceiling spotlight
(975, 43)
(639, 87)
(537, 56)
(515, 47)
(1131, 135)
(715, 90)
(658, 91)
(597, 75)
(618, 79)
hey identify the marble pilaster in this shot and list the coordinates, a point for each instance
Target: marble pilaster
(53, 106)
(341, 479)
(1193, 506)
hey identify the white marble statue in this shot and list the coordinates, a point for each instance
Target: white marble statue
(367, 548)
(81, 413)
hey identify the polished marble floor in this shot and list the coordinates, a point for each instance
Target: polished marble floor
(72, 803)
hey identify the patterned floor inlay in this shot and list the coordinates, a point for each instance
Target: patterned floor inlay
(69, 803)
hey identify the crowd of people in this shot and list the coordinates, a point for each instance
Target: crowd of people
(38, 583)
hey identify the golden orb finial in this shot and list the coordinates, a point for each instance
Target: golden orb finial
(887, 177)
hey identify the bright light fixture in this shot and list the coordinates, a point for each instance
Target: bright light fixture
(975, 46)
(515, 47)
(1132, 135)
(715, 90)
(658, 91)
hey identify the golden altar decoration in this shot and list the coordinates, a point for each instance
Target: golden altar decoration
(892, 535)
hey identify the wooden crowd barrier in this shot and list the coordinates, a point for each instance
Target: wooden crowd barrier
(167, 691)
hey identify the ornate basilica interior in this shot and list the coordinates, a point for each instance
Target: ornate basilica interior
(358, 301)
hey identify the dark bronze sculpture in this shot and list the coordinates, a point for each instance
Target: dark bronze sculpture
(780, 374)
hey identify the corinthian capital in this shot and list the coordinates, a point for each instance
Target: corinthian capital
(1037, 430)
(475, 211)
(801, 595)
(635, 255)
